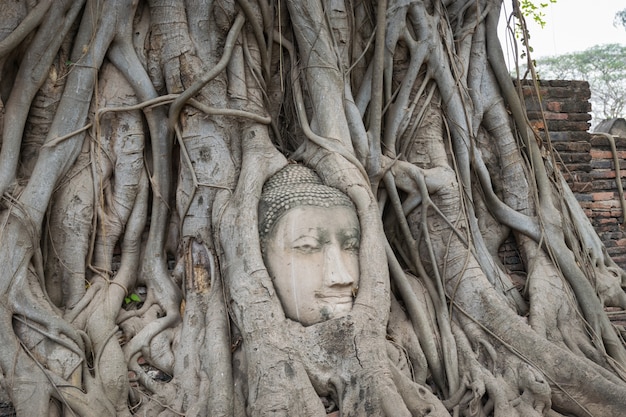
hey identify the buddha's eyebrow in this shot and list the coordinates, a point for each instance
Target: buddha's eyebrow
(303, 233)
(350, 232)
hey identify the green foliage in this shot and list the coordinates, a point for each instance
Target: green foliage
(534, 10)
(132, 297)
(603, 66)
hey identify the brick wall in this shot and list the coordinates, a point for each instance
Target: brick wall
(600, 199)
(587, 159)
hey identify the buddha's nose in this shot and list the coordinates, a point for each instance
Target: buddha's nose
(336, 269)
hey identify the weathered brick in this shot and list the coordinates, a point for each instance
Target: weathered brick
(554, 106)
(566, 125)
(597, 212)
(607, 154)
(603, 196)
(601, 164)
(600, 154)
(574, 85)
(568, 91)
(572, 146)
(581, 177)
(604, 230)
(556, 137)
(604, 204)
(599, 141)
(585, 167)
(605, 173)
(581, 187)
(534, 105)
(604, 185)
(534, 115)
(575, 157)
(612, 235)
(555, 116)
(531, 92)
(584, 197)
(576, 106)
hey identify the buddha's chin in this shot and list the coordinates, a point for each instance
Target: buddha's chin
(337, 308)
(324, 310)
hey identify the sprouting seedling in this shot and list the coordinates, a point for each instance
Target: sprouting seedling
(132, 297)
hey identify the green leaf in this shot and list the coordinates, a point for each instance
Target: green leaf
(135, 297)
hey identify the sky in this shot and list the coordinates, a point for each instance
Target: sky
(574, 25)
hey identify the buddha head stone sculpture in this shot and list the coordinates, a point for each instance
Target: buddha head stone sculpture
(310, 239)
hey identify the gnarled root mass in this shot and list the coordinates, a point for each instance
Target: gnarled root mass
(136, 138)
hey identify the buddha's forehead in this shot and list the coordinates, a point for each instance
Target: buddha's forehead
(314, 218)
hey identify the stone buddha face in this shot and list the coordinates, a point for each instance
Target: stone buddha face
(311, 251)
(312, 255)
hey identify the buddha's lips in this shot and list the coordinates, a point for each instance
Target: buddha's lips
(340, 298)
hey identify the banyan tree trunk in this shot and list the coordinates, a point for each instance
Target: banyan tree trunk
(136, 140)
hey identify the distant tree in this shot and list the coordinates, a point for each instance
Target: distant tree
(620, 18)
(604, 66)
